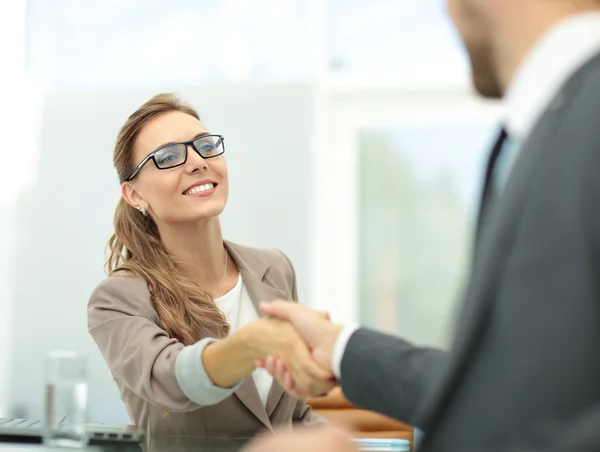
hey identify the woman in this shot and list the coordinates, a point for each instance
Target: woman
(176, 320)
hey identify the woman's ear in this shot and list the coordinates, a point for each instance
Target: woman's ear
(132, 196)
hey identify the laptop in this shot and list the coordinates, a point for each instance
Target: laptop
(30, 431)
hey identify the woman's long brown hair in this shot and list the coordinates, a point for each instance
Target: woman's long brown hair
(184, 309)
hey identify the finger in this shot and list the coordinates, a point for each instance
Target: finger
(283, 377)
(288, 382)
(313, 369)
(281, 367)
(289, 386)
(270, 365)
(318, 389)
(323, 359)
(305, 371)
(260, 363)
(324, 314)
(297, 395)
(323, 389)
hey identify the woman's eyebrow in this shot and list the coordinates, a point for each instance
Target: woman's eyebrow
(201, 134)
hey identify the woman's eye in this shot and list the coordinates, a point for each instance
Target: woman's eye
(164, 159)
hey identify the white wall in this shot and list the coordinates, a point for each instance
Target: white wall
(62, 221)
(17, 126)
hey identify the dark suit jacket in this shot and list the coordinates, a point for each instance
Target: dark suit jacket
(141, 356)
(523, 372)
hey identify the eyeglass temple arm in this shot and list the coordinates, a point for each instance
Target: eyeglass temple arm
(139, 167)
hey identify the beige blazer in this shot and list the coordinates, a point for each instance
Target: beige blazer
(141, 356)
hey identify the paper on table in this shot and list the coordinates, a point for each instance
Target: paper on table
(381, 444)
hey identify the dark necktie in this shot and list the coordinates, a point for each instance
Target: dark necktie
(496, 171)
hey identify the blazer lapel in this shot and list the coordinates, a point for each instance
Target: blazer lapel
(261, 292)
(254, 271)
(494, 236)
(248, 395)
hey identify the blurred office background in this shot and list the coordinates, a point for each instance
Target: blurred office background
(354, 141)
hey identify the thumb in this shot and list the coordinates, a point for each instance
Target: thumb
(323, 358)
(280, 309)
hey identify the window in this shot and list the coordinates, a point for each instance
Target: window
(82, 45)
(403, 41)
(395, 207)
(418, 191)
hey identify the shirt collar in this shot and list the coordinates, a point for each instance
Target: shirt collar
(555, 57)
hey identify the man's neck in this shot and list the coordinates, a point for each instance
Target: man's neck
(520, 35)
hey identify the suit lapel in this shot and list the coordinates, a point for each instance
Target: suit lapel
(254, 271)
(493, 239)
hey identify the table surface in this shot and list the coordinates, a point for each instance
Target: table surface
(150, 444)
(159, 444)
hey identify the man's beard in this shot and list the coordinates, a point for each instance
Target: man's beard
(484, 72)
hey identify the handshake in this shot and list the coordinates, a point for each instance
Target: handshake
(295, 345)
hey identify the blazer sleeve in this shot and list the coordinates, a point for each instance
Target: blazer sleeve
(140, 354)
(398, 376)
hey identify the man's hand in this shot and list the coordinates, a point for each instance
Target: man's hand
(271, 336)
(314, 440)
(319, 334)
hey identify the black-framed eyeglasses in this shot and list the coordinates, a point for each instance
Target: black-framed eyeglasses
(175, 154)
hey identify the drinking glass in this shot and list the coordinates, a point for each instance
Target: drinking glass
(66, 393)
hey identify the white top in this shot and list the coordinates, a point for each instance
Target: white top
(555, 58)
(239, 310)
(230, 305)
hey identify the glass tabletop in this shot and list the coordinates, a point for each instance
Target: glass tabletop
(188, 444)
(149, 444)
(156, 443)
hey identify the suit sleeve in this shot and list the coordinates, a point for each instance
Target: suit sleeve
(386, 374)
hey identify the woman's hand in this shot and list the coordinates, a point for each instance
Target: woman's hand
(274, 337)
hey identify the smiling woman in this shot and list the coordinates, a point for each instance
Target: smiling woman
(176, 320)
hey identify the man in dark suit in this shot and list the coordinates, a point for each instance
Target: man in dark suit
(523, 372)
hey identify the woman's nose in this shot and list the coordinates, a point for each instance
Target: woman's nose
(194, 161)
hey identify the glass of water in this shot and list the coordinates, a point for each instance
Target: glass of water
(65, 407)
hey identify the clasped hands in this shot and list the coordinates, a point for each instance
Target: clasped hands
(295, 345)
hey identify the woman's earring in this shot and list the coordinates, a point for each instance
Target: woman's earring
(142, 209)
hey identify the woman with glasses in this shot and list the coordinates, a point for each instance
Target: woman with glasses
(176, 320)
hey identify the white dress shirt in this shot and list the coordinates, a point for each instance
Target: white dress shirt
(550, 63)
(546, 68)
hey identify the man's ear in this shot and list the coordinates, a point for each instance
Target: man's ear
(132, 196)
